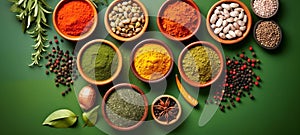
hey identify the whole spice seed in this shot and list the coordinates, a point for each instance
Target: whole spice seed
(201, 64)
(166, 109)
(63, 70)
(126, 19)
(125, 107)
(229, 21)
(152, 61)
(268, 34)
(240, 78)
(75, 17)
(265, 8)
(99, 61)
(179, 19)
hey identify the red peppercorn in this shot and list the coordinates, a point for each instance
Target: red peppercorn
(251, 48)
(256, 83)
(56, 41)
(249, 60)
(253, 60)
(236, 62)
(237, 99)
(252, 65)
(55, 37)
(244, 66)
(242, 55)
(258, 78)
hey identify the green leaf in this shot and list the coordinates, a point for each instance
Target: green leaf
(24, 26)
(60, 119)
(15, 8)
(90, 118)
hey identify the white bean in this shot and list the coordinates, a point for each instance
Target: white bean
(238, 33)
(213, 26)
(228, 36)
(222, 35)
(234, 13)
(241, 15)
(219, 22)
(236, 25)
(245, 19)
(232, 34)
(219, 8)
(239, 9)
(226, 29)
(243, 28)
(230, 20)
(234, 5)
(218, 30)
(241, 23)
(226, 6)
(217, 12)
(213, 18)
(224, 23)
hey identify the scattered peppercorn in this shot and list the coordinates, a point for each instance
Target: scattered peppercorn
(56, 41)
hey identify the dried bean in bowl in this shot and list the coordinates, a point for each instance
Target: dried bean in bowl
(268, 34)
(126, 19)
(228, 21)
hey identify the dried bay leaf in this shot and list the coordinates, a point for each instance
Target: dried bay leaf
(62, 118)
(90, 117)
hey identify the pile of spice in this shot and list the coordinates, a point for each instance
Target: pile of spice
(201, 64)
(61, 64)
(126, 19)
(240, 79)
(75, 17)
(179, 19)
(229, 21)
(99, 61)
(166, 109)
(265, 8)
(152, 61)
(268, 34)
(125, 107)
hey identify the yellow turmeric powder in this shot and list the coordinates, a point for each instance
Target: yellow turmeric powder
(152, 61)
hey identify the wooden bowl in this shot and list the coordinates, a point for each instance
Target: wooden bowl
(108, 27)
(165, 122)
(115, 88)
(142, 44)
(185, 50)
(72, 37)
(160, 14)
(91, 80)
(265, 17)
(229, 41)
(259, 43)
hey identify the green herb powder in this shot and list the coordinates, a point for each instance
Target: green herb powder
(99, 62)
(201, 64)
(125, 107)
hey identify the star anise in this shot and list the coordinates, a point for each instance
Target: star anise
(166, 110)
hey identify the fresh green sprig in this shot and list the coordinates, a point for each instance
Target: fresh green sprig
(32, 14)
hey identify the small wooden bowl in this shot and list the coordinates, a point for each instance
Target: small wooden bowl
(113, 89)
(265, 17)
(160, 14)
(259, 43)
(71, 37)
(108, 27)
(140, 45)
(185, 50)
(85, 76)
(228, 41)
(165, 122)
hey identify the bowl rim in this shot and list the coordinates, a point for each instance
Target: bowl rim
(86, 77)
(140, 45)
(182, 54)
(277, 8)
(108, 28)
(255, 38)
(179, 110)
(162, 8)
(113, 89)
(70, 37)
(235, 40)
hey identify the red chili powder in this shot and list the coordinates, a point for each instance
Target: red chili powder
(75, 17)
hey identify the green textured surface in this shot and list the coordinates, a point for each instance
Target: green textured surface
(28, 96)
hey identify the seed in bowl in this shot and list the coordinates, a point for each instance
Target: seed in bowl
(229, 21)
(265, 8)
(201, 64)
(126, 19)
(268, 34)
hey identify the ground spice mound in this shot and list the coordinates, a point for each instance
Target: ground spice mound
(179, 19)
(75, 17)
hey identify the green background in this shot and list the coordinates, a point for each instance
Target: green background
(28, 96)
